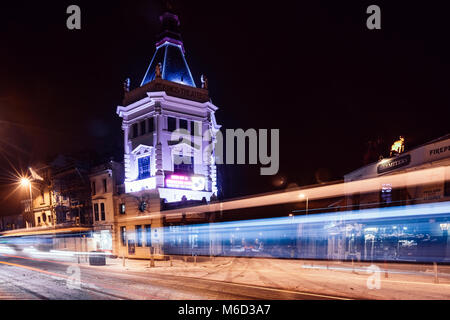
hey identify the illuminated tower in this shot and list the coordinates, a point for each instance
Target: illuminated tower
(169, 126)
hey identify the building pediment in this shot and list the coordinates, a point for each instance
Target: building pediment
(142, 149)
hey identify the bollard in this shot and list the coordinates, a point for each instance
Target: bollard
(436, 279)
(123, 261)
(170, 261)
(353, 267)
(195, 260)
(152, 258)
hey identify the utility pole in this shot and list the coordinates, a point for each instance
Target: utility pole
(31, 202)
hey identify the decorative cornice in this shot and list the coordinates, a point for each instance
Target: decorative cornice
(170, 88)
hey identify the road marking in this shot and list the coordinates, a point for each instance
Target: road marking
(33, 269)
(421, 283)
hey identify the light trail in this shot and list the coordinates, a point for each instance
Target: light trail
(409, 179)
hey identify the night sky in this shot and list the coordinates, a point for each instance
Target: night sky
(309, 68)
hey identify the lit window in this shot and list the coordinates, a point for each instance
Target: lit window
(123, 236)
(139, 236)
(386, 193)
(122, 208)
(144, 168)
(148, 235)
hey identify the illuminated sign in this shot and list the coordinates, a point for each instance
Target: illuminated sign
(177, 181)
(393, 164)
(438, 150)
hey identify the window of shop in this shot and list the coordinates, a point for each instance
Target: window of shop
(356, 199)
(148, 235)
(123, 236)
(386, 194)
(447, 188)
(139, 236)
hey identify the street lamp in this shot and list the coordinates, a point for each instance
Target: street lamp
(26, 182)
(303, 196)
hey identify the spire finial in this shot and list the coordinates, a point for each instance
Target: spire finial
(126, 85)
(158, 74)
(204, 81)
(168, 5)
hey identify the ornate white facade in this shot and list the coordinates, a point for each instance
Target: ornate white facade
(169, 127)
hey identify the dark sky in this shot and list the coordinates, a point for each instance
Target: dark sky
(309, 68)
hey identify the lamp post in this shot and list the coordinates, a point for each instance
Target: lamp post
(26, 182)
(303, 196)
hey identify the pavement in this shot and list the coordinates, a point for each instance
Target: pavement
(38, 275)
(390, 281)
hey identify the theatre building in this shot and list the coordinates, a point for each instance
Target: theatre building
(169, 130)
(434, 154)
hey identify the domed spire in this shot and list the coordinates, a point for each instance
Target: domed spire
(169, 54)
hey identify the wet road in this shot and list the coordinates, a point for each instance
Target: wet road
(32, 278)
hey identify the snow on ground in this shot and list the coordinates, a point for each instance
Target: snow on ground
(403, 281)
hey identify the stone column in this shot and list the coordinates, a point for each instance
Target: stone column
(158, 147)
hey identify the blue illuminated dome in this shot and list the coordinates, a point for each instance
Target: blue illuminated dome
(170, 53)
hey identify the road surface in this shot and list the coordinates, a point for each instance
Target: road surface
(32, 278)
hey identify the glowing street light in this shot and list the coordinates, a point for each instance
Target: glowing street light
(26, 182)
(303, 196)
